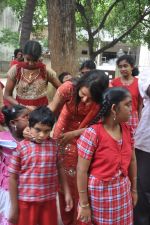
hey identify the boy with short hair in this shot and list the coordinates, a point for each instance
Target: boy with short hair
(33, 175)
(64, 76)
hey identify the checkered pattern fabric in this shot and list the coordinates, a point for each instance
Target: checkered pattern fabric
(133, 121)
(111, 201)
(35, 165)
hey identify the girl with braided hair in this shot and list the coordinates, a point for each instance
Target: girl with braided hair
(106, 169)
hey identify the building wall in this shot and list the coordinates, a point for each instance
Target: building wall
(8, 20)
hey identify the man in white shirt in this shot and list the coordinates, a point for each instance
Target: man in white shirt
(142, 145)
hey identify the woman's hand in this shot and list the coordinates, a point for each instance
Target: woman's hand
(27, 133)
(30, 108)
(69, 202)
(84, 214)
(65, 138)
(134, 195)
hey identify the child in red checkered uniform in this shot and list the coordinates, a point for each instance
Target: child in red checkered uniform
(34, 170)
(106, 170)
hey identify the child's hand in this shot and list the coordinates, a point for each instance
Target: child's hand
(84, 214)
(134, 197)
(13, 215)
(69, 202)
(27, 133)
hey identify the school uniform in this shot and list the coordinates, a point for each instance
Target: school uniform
(35, 165)
(135, 94)
(108, 182)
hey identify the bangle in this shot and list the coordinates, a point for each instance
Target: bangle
(84, 206)
(134, 190)
(82, 191)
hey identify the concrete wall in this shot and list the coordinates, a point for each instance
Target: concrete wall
(8, 20)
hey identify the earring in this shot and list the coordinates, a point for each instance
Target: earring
(15, 128)
(114, 118)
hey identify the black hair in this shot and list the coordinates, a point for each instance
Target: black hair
(42, 115)
(111, 96)
(34, 49)
(88, 64)
(128, 58)
(16, 51)
(62, 75)
(97, 81)
(12, 113)
(131, 61)
(135, 72)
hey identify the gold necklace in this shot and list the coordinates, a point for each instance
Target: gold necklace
(29, 76)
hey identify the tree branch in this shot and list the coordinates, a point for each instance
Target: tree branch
(81, 9)
(101, 25)
(146, 25)
(27, 22)
(116, 40)
(146, 20)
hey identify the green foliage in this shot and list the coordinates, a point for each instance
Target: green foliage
(94, 11)
(17, 7)
(39, 20)
(40, 14)
(123, 15)
(3, 4)
(44, 42)
(9, 38)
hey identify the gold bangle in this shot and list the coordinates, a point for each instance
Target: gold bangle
(134, 190)
(82, 191)
(84, 206)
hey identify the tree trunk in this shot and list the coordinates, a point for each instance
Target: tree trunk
(26, 28)
(62, 35)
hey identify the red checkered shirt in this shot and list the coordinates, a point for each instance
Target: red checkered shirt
(36, 167)
(107, 156)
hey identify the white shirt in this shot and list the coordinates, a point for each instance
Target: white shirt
(142, 135)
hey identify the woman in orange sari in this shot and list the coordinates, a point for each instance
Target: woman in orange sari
(78, 103)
